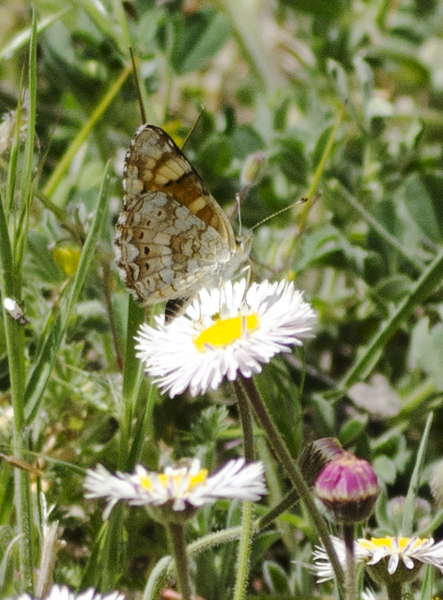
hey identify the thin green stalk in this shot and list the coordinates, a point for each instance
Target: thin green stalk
(47, 356)
(125, 39)
(394, 591)
(132, 378)
(247, 32)
(289, 500)
(162, 572)
(246, 422)
(425, 285)
(293, 472)
(22, 38)
(11, 251)
(320, 168)
(112, 550)
(74, 146)
(382, 231)
(177, 545)
(351, 588)
(414, 483)
(244, 552)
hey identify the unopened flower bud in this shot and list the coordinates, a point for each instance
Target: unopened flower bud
(252, 169)
(316, 455)
(348, 487)
(67, 259)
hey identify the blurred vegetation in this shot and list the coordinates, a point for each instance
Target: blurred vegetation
(367, 248)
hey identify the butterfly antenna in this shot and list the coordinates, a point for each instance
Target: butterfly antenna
(301, 201)
(196, 122)
(137, 85)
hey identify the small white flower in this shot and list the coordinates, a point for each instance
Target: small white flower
(222, 333)
(367, 595)
(64, 593)
(372, 551)
(182, 484)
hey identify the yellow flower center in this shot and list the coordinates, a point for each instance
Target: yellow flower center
(225, 332)
(175, 479)
(387, 542)
(146, 482)
(198, 479)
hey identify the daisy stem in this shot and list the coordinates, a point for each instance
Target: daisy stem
(394, 590)
(246, 421)
(244, 549)
(348, 535)
(285, 504)
(244, 552)
(293, 472)
(177, 547)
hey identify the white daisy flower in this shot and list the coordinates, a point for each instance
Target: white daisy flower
(182, 485)
(394, 549)
(64, 593)
(224, 332)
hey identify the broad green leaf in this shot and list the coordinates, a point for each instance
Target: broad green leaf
(423, 194)
(199, 38)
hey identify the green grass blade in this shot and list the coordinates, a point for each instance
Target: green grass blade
(40, 374)
(157, 579)
(414, 484)
(428, 583)
(24, 36)
(64, 163)
(27, 184)
(132, 380)
(427, 283)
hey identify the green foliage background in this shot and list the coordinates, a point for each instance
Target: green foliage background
(275, 77)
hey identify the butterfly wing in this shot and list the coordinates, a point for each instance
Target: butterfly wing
(172, 237)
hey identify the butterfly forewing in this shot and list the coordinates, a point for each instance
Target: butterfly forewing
(172, 236)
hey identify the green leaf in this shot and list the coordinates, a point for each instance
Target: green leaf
(199, 38)
(319, 8)
(385, 469)
(352, 430)
(291, 159)
(276, 578)
(216, 155)
(423, 194)
(245, 140)
(426, 349)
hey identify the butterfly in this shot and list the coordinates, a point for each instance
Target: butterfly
(173, 238)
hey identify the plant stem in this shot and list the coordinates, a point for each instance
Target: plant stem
(348, 535)
(177, 547)
(244, 552)
(246, 421)
(394, 591)
(293, 472)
